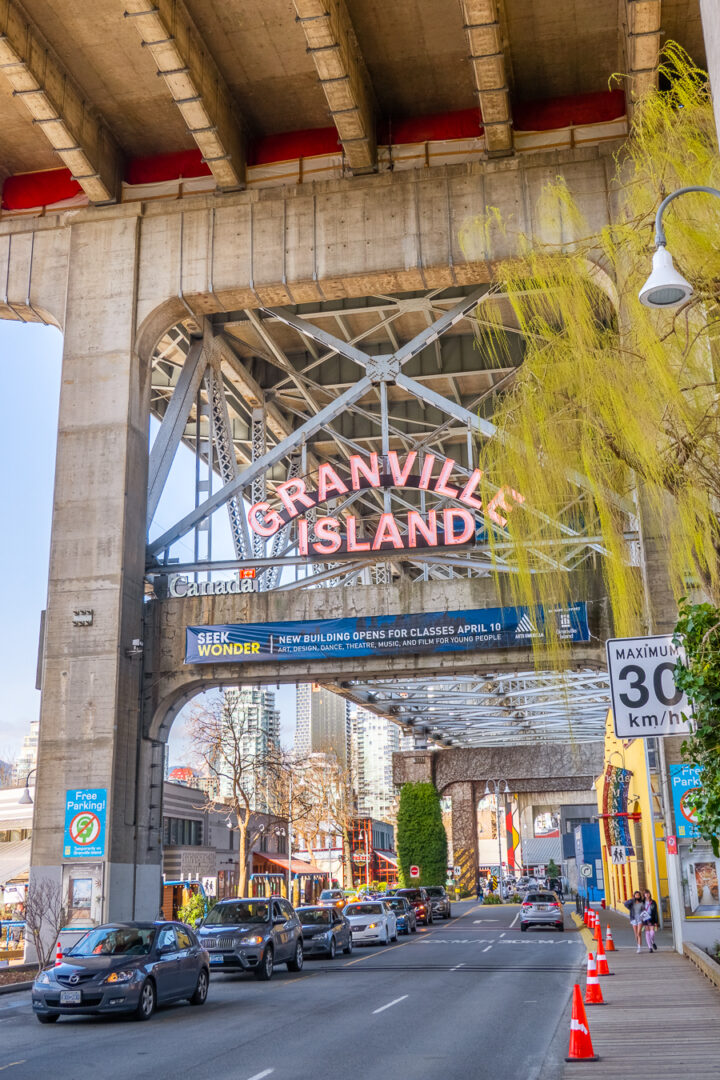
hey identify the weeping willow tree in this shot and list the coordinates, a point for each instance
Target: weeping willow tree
(613, 401)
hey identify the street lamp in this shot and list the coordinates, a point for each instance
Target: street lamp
(496, 788)
(26, 798)
(666, 288)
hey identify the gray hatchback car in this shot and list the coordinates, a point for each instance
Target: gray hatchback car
(542, 908)
(252, 934)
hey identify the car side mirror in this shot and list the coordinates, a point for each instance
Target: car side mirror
(279, 920)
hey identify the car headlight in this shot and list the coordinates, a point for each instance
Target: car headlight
(251, 939)
(120, 976)
(373, 926)
(43, 978)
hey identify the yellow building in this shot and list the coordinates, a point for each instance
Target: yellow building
(628, 819)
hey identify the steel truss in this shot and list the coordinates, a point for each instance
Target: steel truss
(277, 391)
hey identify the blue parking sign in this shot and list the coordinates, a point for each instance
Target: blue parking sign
(85, 810)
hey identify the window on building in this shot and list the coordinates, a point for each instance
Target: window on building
(281, 845)
(182, 832)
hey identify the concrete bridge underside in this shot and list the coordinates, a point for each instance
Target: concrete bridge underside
(115, 279)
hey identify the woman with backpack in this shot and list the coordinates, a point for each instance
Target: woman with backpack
(650, 920)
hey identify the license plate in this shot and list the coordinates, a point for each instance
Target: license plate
(70, 997)
(215, 959)
(541, 907)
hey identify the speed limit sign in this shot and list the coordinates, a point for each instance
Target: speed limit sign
(645, 700)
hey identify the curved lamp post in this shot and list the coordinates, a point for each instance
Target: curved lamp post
(666, 288)
(26, 798)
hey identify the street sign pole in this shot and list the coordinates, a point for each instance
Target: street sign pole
(651, 802)
(677, 905)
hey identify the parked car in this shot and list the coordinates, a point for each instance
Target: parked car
(332, 898)
(439, 901)
(325, 931)
(253, 934)
(542, 909)
(420, 901)
(404, 914)
(124, 968)
(372, 921)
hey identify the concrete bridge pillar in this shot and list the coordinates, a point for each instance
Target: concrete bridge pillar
(90, 727)
(464, 833)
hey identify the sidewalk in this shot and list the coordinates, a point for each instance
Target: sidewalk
(661, 1019)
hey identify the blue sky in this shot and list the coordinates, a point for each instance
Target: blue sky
(30, 362)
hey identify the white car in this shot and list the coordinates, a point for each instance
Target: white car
(371, 921)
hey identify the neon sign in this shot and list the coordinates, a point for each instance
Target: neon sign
(452, 526)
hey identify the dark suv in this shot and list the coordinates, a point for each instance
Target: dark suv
(420, 901)
(439, 900)
(252, 934)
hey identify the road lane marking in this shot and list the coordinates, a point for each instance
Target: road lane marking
(457, 967)
(515, 920)
(488, 947)
(259, 1076)
(383, 1007)
(503, 933)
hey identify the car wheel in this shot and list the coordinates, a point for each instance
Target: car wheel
(201, 990)
(387, 937)
(297, 962)
(561, 928)
(51, 1018)
(148, 1001)
(523, 927)
(264, 970)
(349, 947)
(413, 929)
(449, 913)
(395, 935)
(331, 950)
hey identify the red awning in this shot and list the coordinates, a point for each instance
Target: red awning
(297, 866)
(387, 856)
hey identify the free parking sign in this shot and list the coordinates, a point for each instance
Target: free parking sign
(85, 810)
(645, 699)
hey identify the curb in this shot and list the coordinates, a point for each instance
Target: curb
(588, 939)
(12, 988)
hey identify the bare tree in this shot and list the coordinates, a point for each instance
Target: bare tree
(45, 916)
(224, 745)
(325, 792)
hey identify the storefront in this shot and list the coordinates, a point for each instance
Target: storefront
(270, 873)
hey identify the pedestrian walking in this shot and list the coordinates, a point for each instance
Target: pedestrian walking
(650, 920)
(479, 889)
(635, 906)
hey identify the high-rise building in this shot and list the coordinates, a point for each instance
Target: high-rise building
(27, 758)
(321, 725)
(373, 740)
(256, 723)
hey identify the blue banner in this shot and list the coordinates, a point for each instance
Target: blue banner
(381, 635)
(684, 780)
(85, 810)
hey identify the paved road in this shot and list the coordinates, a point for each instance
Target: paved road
(468, 997)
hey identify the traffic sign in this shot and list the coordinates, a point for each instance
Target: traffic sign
(586, 869)
(618, 855)
(414, 871)
(645, 699)
(671, 842)
(457, 871)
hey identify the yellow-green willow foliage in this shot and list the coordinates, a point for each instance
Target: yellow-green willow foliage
(609, 391)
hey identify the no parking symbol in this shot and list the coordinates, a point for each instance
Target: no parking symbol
(85, 823)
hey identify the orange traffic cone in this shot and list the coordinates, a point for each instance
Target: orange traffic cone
(593, 993)
(602, 964)
(58, 954)
(609, 943)
(586, 918)
(581, 1048)
(592, 919)
(598, 933)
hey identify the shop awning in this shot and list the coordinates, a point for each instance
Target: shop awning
(387, 856)
(14, 860)
(297, 866)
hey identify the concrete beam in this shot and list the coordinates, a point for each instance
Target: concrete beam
(335, 52)
(641, 47)
(56, 104)
(197, 87)
(484, 34)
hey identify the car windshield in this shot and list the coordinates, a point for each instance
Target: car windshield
(114, 941)
(242, 911)
(315, 916)
(412, 894)
(435, 891)
(396, 903)
(332, 894)
(364, 909)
